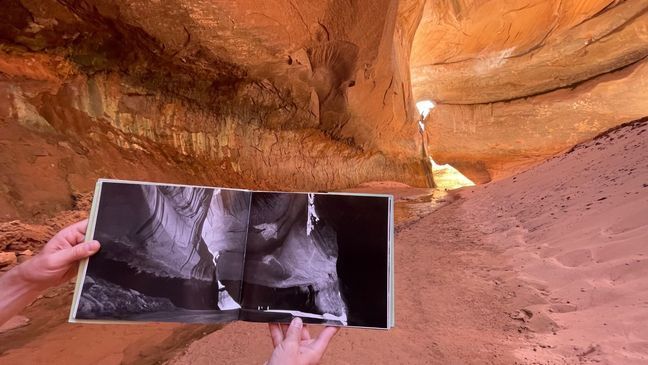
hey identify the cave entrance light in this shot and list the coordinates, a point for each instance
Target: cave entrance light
(448, 177)
(444, 176)
(424, 107)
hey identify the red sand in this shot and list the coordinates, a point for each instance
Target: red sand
(576, 229)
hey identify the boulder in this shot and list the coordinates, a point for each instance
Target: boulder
(7, 259)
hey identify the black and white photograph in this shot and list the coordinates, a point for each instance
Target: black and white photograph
(173, 253)
(169, 253)
(322, 257)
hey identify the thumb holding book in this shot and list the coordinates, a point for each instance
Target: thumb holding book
(294, 346)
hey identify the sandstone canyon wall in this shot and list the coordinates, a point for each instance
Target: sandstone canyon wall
(519, 81)
(271, 95)
(305, 95)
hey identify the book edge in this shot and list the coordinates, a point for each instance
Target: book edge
(83, 265)
(391, 265)
(139, 182)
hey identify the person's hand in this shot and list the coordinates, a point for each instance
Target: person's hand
(56, 263)
(59, 259)
(294, 346)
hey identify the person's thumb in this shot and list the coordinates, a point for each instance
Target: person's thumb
(75, 253)
(294, 330)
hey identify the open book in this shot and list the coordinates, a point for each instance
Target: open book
(176, 253)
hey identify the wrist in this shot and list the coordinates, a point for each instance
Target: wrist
(16, 293)
(22, 278)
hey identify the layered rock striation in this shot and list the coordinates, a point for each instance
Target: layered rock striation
(276, 95)
(284, 95)
(519, 81)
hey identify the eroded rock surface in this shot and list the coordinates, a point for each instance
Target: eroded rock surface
(475, 52)
(276, 95)
(497, 139)
(518, 81)
(107, 299)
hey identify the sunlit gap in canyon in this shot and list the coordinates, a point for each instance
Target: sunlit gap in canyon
(447, 177)
(443, 176)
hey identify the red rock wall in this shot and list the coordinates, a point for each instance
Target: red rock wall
(306, 96)
(268, 95)
(518, 81)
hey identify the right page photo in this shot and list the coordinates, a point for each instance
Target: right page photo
(323, 257)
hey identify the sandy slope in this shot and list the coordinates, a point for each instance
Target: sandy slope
(576, 227)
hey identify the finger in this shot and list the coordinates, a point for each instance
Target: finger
(294, 330)
(80, 226)
(73, 254)
(305, 335)
(324, 338)
(75, 233)
(284, 328)
(276, 334)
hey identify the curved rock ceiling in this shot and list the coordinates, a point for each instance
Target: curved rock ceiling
(265, 94)
(519, 80)
(303, 95)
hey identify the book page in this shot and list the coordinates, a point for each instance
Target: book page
(322, 257)
(168, 253)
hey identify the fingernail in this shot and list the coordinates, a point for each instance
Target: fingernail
(93, 246)
(296, 322)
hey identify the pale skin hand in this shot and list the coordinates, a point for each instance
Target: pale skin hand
(294, 345)
(57, 263)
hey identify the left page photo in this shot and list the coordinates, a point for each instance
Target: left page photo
(169, 253)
